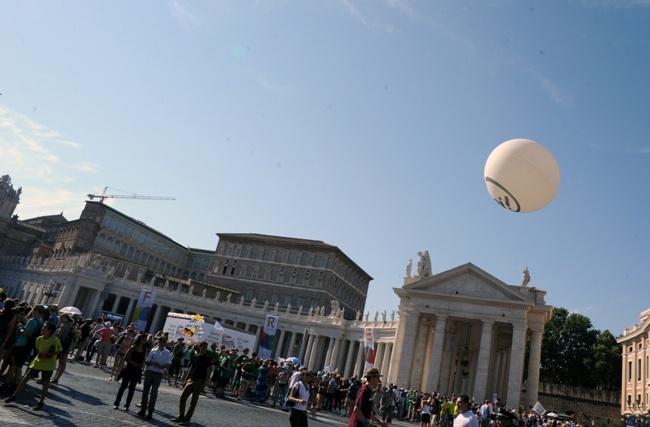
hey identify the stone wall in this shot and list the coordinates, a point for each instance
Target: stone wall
(601, 406)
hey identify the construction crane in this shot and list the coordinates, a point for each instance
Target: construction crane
(104, 196)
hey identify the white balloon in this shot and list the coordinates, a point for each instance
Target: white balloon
(522, 175)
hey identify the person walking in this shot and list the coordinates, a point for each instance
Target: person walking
(197, 375)
(158, 359)
(299, 396)
(465, 418)
(363, 412)
(131, 375)
(48, 347)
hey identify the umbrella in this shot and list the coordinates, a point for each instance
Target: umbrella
(70, 310)
(294, 360)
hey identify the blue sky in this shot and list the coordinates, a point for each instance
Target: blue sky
(365, 124)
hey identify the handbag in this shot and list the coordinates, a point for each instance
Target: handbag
(291, 403)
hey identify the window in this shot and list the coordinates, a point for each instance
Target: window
(629, 373)
(301, 302)
(260, 253)
(323, 262)
(314, 302)
(249, 251)
(310, 260)
(274, 298)
(272, 255)
(238, 251)
(249, 294)
(297, 258)
(287, 300)
(267, 274)
(305, 280)
(285, 257)
(255, 273)
(638, 370)
(262, 295)
(229, 252)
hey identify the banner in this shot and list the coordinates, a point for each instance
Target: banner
(369, 348)
(115, 318)
(538, 408)
(267, 338)
(142, 310)
(176, 325)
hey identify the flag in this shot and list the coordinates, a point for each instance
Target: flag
(369, 347)
(218, 326)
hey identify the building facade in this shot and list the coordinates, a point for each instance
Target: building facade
(635, 387)
(459, 331)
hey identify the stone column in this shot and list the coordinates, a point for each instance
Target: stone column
(379, 354)
(292, 343)
(312, 352)
(405, 342)
(534, 362)
(278, 348)
(328, 355)
(483, 366)
(515, 374)
(307, 344)
(334, 359)
(347, 370)
(435, 363)
(115, 304)
(385, 366)
(129, 311)
(156, 318)
(360, 365)
(303, 345)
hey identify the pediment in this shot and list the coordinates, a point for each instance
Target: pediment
(468, 281)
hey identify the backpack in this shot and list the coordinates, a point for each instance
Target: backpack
(67, 339)
(31, 339)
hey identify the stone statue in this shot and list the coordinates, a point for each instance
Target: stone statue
(383, 316)
(111, 272)
(140, 274)
(358, 316)
(253, 303)
(424, 265)
(190, 292)
(322, 311)
(392, 316)
(266, 304)
(300, 309)
(376, 316)
(166, 284)
(205, 292)
(217, 296)
(228, 297)
(241, 300)
(409, 268)
(277, 307)
(288, 308)
(526, 278)
(367, 315)
(311, 311)
(335, 306)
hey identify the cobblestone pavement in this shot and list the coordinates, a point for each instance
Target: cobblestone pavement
(84, 397)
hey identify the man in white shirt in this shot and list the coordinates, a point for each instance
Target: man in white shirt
(158, 359)
(465, 418)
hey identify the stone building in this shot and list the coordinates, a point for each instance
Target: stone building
(291, 272)
(635, 387)
(458, 331)
(465, 331)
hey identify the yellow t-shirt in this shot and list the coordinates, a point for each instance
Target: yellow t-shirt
(46, 346)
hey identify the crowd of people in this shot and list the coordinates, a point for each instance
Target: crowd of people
(46, 340)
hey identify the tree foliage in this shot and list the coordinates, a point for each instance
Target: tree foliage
(574, 353)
